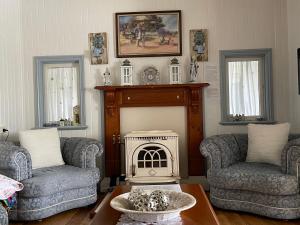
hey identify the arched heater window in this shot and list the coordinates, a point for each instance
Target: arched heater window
(152, 157)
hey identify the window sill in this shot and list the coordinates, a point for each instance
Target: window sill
(230, 123)
(79, 127)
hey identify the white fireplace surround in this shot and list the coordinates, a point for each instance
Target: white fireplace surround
(152, 156)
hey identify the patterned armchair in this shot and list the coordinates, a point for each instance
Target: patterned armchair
(259, 188)
(50, 190)
(3, 216)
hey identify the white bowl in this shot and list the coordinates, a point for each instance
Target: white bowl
(179, 201)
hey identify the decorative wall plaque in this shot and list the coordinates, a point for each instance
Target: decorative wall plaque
(98, 48)
(199, 44)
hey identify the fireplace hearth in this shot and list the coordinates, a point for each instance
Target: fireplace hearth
(152, 157)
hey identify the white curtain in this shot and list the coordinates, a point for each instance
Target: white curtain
(243, 78)
(60, 93)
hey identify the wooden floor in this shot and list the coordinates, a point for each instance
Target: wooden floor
(233, 218)
(71, 217)
(81, 217)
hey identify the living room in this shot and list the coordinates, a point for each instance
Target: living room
(84, 83)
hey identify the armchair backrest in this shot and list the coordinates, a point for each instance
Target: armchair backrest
(222, 150)
(294, 136)
(242, 142)
(62, 142)
(289, 155)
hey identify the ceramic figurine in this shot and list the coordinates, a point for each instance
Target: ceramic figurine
(107, 78)
(193, 70)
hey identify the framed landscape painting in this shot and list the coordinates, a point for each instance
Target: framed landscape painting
(148, 34)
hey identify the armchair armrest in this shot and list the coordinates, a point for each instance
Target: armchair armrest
(3, 216)
(81, 152)
(221, 151)
(15, 161)
(290, 157)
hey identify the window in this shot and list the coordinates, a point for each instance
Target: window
(60, 92)
(246, 94)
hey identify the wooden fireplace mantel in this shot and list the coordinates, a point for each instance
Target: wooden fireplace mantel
(188, 95)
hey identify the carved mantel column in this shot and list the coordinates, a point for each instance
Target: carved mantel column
(112, 132)
(195, 131)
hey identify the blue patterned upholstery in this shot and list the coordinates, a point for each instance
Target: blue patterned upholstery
(80, 152)
(290, 155)
(15, 162)
(50, 180)
(258, 177)
(274, 206)
(3, 216)
(260, 188)
(36, 208)
(48, 191)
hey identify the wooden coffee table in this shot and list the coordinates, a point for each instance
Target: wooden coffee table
(201, 214)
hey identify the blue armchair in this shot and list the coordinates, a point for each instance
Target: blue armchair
(259, 188)
(3, 216)
(48, 191)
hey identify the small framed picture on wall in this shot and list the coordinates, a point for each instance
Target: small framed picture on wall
(199, 45)
(98, 48)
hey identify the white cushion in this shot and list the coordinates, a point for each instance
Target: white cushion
(266, 142)
(43, 146)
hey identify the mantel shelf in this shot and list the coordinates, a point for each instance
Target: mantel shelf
(185, 85)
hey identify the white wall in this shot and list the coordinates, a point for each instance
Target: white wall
(61, 27)
(293, 7)
(247, 25)
(12, 80)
